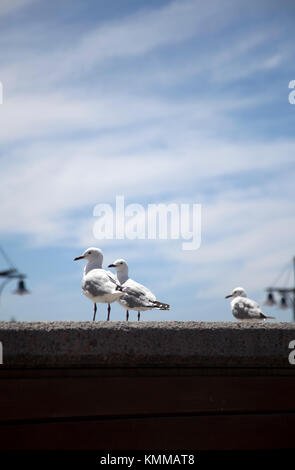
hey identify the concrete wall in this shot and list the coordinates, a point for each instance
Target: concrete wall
(172, 385)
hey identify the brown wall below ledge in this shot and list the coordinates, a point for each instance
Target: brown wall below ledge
(155, 386)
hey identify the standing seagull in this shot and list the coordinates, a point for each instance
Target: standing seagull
(136, 296)
(98, 284)
(243, 308)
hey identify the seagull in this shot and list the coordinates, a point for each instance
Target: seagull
(244, 308)
(98, 284)
(136, 297)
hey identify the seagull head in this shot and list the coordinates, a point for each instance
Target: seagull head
(91, 254)
(119, 265)
(237, 292)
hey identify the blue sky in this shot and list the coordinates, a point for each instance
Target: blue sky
(160, 101)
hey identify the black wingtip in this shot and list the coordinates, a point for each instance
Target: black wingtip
(161, 305)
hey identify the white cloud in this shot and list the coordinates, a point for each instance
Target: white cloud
(8, 7)
(152, 28)
(46, 183)
(132, 37)
(245, 241)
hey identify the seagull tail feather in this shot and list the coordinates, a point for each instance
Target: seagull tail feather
(161, 305)
(267, 317)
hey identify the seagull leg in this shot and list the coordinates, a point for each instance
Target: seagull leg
(127, 315)
(109, 311)
(138, 316)
(94, 313)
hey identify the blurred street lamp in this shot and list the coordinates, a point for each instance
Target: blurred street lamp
(270, 299)
(21, 288)
(283, 303)
(287, 295)
(10, 274)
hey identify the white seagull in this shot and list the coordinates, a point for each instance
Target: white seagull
(98, 284)
(136, 296)
(243, 308)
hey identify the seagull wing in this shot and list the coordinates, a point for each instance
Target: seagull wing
(138, 290)
(137, 296)
(246, 308)
(97, 283)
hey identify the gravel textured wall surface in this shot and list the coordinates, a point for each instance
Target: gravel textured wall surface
(191, 344)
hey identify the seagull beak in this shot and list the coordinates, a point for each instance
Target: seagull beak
(111, 266)
(78, 257)
(228, 296)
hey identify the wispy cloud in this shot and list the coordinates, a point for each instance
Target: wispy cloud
(7, 7)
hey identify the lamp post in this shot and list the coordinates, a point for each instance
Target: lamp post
(10, 274)
(21, 287)
(287, 295)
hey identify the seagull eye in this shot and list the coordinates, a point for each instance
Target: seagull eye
(89, 252)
